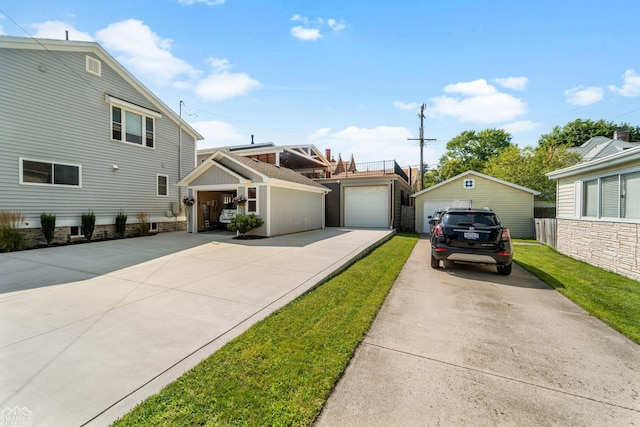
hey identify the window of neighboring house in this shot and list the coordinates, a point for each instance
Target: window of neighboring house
(153, 226)
(630, 196)
(615, 196)
(133, 124)
(590, 198)
(252, 199)
(610, 197)
(163, 185)
(39, 172)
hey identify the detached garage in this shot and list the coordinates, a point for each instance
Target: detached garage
(286, 201)
(511, 202)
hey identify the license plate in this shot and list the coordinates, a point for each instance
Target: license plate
(471, 236)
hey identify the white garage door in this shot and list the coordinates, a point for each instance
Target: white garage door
(430, 206)
(366, 206)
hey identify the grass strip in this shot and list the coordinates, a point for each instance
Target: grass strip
(282, 370)
(612, 298)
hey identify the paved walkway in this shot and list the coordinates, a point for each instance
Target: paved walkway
(89, 330)
(467, 347)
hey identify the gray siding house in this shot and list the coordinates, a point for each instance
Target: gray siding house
(78, 132)
(285, 200)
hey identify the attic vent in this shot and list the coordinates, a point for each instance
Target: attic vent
(94, 66)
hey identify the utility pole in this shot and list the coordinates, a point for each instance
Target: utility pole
(422, 140)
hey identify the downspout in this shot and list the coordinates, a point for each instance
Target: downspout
(393, 199)
(180, 156)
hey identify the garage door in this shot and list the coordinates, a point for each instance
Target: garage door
(430, 206)
(366, 206)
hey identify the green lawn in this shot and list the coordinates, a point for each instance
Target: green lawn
(282, 370)
(610, 297)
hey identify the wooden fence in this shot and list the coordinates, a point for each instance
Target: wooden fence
(546, 231)
(407, 218)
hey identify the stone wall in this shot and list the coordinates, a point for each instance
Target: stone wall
(35, 238)
(612, 246)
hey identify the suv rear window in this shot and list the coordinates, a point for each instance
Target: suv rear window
(476, 219)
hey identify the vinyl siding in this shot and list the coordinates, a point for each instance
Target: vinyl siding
(566, 198)
(215, 176)
(293, 211)
(512, 205)
(52, 110)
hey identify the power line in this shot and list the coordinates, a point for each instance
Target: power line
(422, 139)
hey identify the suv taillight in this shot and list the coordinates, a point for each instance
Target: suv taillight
(506, 235)
(437, 231)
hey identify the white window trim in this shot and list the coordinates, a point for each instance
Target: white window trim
(21, 171)
(579, 197)
(132, 107)
(464, 183)
(158, 185)
(256, 200)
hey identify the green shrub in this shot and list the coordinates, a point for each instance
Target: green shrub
(244, 223)
(88, 221)
(121, 224)
(143, 223)
(48, 224)
(11, 238)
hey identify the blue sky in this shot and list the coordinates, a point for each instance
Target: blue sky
(351, 75)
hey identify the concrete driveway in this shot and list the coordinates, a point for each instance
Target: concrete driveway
(90, 330)
(467, 347)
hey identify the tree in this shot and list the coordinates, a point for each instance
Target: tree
(527, 167)
(470, 150)
(579, 131)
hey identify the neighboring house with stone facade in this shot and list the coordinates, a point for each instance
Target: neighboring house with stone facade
(80, 133)
(598, 211)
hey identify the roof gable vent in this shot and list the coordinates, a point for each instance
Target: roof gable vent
(94, 66)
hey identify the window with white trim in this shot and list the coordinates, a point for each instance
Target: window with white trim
(38, 172)
(129, 126)
(162, 185)
(252, 200)
(614, 196)
(630, 197)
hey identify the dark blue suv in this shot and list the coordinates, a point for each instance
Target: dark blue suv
(473, 236)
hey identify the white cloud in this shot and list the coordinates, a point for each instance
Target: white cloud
(630, 86)
(335, 25)
(217, 134)
(302, 33)
(207, 2)
(320, 133)
(480, 103)
(144, 51)
(515, 83)
(581, 95)
(367, 144)
(224, 85)
(311, 31)
(57, 30)
(406, 106)
(298, 18)
(474, 88)
(519, 127)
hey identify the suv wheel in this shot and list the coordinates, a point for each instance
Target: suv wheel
(504, 270)
(434, 262)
